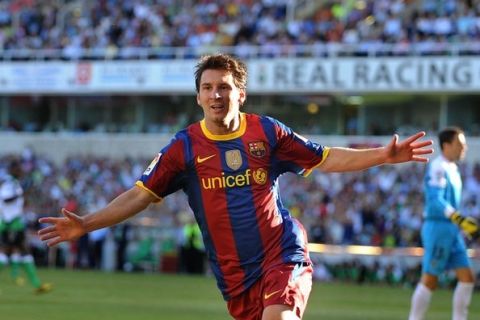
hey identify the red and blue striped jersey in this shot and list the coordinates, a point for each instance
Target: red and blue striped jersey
(232, 186)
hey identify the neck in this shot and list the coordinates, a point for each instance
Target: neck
(449, 158)
(224, 127)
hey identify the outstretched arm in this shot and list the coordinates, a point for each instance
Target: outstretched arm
(72, 226)
(347, 159)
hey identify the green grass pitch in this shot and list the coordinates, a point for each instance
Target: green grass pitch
(121, 296)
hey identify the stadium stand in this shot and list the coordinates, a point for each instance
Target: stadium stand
(160, 30)
(379, 207)
(108, 29)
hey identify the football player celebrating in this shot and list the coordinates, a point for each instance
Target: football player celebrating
(228, 164)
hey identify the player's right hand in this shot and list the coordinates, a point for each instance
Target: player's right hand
(468, 225)
(68, 227)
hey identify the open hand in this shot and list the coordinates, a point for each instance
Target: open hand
(409, 149)
(68, 227)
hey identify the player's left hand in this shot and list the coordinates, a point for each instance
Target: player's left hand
(410, 149)
(468, 225)
(471, 228)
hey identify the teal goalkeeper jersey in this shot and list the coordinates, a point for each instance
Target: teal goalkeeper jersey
(443, 189)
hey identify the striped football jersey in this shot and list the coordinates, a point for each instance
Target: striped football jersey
(231, 182)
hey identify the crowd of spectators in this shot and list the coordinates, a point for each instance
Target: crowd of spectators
(381, 206)
(393, 273)
(119, 28)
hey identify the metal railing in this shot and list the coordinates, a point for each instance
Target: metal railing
(246, 51)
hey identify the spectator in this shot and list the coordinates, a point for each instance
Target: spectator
(401, 207)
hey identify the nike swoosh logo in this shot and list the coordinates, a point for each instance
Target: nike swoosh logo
(267, 296)
(200, 160)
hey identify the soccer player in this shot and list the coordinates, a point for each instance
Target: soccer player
(13, 246)
(228, 164)
(441, 231)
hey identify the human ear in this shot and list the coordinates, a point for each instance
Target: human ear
(242, 98)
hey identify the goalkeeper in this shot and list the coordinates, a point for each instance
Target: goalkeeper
(442, 229)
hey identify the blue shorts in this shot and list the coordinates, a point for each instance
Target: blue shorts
(444, 247)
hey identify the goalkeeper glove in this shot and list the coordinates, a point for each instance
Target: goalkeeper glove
(468, 225)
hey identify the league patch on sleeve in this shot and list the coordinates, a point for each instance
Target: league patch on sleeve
(152, 165)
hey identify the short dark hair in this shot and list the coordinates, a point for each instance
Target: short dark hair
(15, 168)
(221, 61)
(448, 134)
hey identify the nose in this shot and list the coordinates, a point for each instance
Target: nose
(214, 93)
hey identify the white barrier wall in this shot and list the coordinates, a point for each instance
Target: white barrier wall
(266, 75)
(59, 146)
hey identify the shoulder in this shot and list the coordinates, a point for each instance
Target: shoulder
(183, 136)
(9, 181)
(436, 173)
(174, 147)
(268, 122)
(271, 120)
(10, 187)
(439, 164)
(253, 117)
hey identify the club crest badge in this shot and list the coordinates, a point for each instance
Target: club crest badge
(257, 149)
(234, 159)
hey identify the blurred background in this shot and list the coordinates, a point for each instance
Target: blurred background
(90, 91)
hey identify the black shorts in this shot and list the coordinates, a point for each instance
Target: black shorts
(12, 238)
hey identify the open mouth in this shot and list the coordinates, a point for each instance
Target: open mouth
(217, 107)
